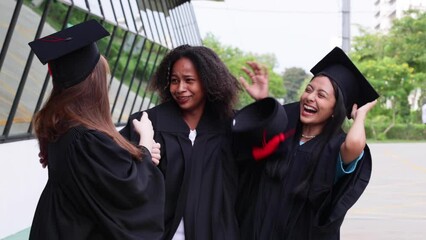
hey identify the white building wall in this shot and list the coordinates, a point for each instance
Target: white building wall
(388, 10)
(22, 180)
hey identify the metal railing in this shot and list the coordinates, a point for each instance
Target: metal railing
(142, 32)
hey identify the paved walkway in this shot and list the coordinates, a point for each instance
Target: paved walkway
(393, 207)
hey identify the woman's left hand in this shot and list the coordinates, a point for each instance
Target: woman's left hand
(363, 110)
(258, 74)
(145, 130)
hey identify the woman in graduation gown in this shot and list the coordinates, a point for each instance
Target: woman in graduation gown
(100, 186)
(192, 124)
(303, 187)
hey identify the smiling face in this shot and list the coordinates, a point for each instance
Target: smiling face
(317, 102)
(186, 87)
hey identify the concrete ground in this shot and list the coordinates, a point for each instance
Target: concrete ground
(393, 207)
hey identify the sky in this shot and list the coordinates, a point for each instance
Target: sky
(299, 33)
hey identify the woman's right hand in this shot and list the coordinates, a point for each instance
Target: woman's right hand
(145, 130)
(146, 133)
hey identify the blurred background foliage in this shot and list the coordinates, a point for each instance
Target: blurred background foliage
(393, 62)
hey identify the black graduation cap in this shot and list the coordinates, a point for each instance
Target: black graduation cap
(259, 128)
(71, 53)
(354, 86)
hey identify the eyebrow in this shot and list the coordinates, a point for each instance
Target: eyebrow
(320, 90)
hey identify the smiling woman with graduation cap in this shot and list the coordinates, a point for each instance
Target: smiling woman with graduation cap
(100, 185)
(302, 185)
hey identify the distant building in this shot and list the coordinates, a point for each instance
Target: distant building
(388, 10)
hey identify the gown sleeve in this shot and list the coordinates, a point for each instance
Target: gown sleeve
(125, 196)
(345, 194)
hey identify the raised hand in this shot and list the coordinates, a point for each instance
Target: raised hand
(145, 130)
(363, 110)
(259, 87)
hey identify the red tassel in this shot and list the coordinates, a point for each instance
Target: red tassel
(268, 148)
(55, 39)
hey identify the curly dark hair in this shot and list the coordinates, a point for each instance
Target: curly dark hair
(220, 85)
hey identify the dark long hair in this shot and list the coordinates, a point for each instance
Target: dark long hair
(277, 168)
(85, 104)
(331, 129)
(220, 85)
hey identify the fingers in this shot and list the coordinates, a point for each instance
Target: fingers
(373, 103)
(258, 69)
(369, 105)
(244, 83)
(156, 153)
(354, 109)
(248, 72)
(143, 124)
(264, 70)
(155, 161)
(145, 116)
(42, 160)
(254, 65)
(156, 148)
(145, 130)
(135, 122)
(363, 110)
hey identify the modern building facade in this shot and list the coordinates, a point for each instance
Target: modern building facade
(142, 31)
(388, 10)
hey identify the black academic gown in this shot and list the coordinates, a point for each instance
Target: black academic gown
(96, 190)
(201, 179)
(271, 207)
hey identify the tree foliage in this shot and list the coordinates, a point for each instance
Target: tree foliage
(407, 40)
(293, 78)
(395, 64)
(235, 59)
(394, 87)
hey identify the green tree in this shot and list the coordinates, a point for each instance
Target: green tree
(235, 59)
(396, 64)
(369, 46)
(393, 85)
(293, 79)
(407, 39)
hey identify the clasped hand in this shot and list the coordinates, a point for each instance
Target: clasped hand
(146, 133)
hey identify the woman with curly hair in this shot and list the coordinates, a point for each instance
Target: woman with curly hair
(192, 124)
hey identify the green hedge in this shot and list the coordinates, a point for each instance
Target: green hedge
(409, 132)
